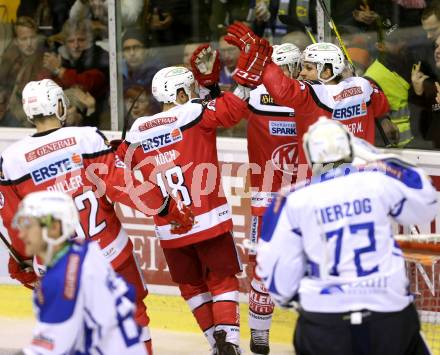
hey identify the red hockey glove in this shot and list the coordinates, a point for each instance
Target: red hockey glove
(240, 35)
(178, 215)
(251, 63)
(26, 276)
(205, 64)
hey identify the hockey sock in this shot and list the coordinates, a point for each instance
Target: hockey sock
(260, 306)
(149, 346)
(225, 307)
(199, 301)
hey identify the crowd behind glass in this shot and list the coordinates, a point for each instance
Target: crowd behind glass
(67, 41)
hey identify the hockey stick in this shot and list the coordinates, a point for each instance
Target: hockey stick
(335, 30)
(23, 264)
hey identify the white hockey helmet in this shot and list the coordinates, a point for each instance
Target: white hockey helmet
(327, 141)
(286, 54)
(325, 53)
(168, 80)
(47, 206)
(42, 98)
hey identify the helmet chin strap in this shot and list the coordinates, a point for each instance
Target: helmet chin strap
(320, 66)
(49, 251)
(189, 94)
(51, 243)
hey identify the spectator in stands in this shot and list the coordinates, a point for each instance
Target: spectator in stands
(188, 50)
(78, 62)
(228, 57)
(361, 59)
(424, 95)
(49, 15)
(392, 73)
(224, 13)
(159, 25)
(133, 13)
(431, 20)
(96, 11)
(139, 66)
(139, 102)
(21, 63)
(6, 118)
(81, 107)
(300, 39)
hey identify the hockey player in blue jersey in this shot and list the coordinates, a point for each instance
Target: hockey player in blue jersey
(330, 246)
(82, 306)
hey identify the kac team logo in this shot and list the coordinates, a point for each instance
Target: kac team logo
(58, 167)
(285, 158)
(162, 140)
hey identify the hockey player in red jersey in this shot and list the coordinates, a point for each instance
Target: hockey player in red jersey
(79, 161)
(176, 149)
(273, 165)
(354, 101)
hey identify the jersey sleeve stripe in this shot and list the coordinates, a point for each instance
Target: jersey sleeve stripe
(193, 122)
(16, 181)
(97, 154)
(270, 113)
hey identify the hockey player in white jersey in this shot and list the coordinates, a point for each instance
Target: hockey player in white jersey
(274, 164)
(330, 246)
(79, 161)
(81, 305)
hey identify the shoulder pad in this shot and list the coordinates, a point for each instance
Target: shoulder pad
(399, 170)
(106, 141)
(198, 101)
(311, 82)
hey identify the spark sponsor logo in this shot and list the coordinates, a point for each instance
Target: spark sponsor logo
(49, 148)
(266, 99)
(57, 168)
(162, 140)
(285, 158)
(349, 112)
(282, 128)
(349, 92)
(2, 201)
(159, 121)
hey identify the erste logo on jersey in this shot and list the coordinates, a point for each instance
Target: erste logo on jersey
(285, 158)
(349, 112)
(162, 140)
(52, 169)
(159, 121)
(282, 128)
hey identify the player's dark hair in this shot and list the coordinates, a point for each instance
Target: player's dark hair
(432, 9)
(338, 77)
